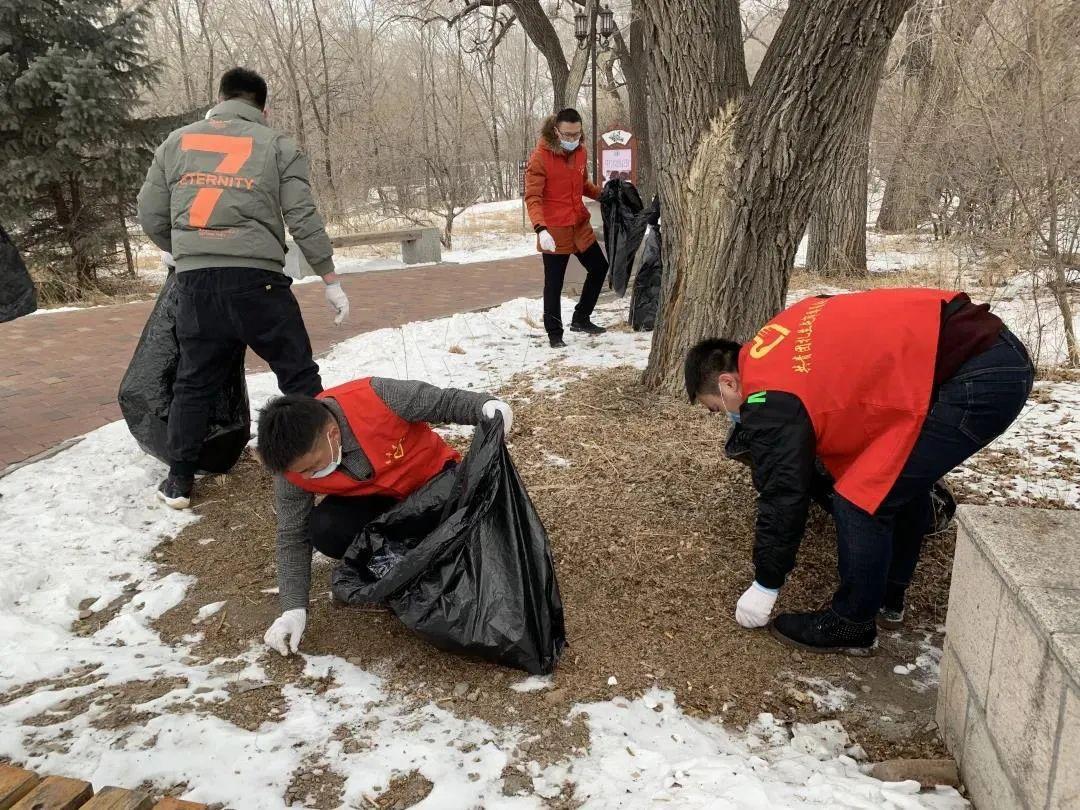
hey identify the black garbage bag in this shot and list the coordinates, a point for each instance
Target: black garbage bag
(645, 300)
(621, 208)
(464, 561)
(18, 296)
(146, 392)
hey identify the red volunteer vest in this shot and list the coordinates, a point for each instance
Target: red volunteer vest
(404, 455)
(863, 366)
(564, 185)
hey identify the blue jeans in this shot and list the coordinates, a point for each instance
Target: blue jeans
(878, 553)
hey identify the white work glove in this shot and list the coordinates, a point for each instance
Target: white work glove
(338, 300)
(755, 605)
(167, 259)
(547, 241)
(285, 633)
(494, 406)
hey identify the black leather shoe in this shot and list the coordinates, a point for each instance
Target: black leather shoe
(588, 327)
(556, 342)
(825, 632)
(175, 491)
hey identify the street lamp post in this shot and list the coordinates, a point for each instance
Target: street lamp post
(589, 35)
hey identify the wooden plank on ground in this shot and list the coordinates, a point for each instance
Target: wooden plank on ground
(169, 803)
(56, 793)
(376, 237)
(114, 798)
(14, 784)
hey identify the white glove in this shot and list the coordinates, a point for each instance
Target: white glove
(167, 259)
(547, 241)
(338, 300)
(494, 406)
(755, 605)
(285, 633)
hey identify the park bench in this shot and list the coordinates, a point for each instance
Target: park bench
(24, 790)
(418, 246)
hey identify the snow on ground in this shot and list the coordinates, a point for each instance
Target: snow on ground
(83, 524)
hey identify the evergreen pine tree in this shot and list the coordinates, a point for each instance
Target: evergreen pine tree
(72, 155)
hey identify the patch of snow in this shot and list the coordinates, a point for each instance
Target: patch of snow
(639, 757)
(206, 611)
(827, 696)
(553, 460)
(533, 683)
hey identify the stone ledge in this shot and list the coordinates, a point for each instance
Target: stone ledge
(1009, 702)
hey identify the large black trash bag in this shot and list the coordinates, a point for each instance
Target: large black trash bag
(146, 392)
(645, 301)
(465, 562)
(18, 296)
(621, 207)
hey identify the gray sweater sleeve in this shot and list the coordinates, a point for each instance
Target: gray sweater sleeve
(294, 550)
(416, 401)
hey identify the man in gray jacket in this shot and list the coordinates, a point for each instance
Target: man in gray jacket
(361, 447)
(215, 197)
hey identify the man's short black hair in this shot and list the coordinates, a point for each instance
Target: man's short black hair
(706, 361)
(289, 427)
(568, 115)
(242, 83)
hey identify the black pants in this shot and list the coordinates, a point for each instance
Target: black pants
(596, 267)
(878, 553)
(218, 310)
(336, 521)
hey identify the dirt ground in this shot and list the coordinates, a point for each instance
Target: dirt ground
(651, 530)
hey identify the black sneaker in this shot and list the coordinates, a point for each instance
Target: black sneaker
(588, 327)
(557, 342)
(175, 491)
(825, 632)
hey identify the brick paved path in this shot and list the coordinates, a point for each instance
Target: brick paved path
(59, 373)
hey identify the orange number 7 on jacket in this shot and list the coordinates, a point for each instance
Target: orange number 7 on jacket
(236, 150)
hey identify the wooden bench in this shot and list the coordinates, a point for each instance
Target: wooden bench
(24, 790)
(418, 246)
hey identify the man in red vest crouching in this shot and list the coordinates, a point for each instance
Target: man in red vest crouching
(890, 389)
(364, 446)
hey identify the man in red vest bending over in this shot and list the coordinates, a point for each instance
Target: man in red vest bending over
(890, 389)
(364, 445)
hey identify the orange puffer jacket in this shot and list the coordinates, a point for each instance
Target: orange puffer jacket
(555, 182)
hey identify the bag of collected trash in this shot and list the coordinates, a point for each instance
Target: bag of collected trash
(645, 300)
(18, 296)
(146, 392)
(621, 207)
(464, 561)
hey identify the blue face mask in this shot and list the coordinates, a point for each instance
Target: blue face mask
(569, 146)
(734, 416)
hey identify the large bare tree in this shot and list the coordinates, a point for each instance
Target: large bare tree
(738, 167)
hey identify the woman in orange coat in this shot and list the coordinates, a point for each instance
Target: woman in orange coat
(555, 182)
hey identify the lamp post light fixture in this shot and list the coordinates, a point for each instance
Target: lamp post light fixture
(590, 37)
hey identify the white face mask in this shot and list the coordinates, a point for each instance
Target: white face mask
(334, 462)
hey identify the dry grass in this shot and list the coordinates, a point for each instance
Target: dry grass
(651, 529)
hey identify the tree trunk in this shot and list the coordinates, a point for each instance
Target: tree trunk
(916, 172)
(189, 94)
(208, 41)
(838, 222)
(121, 210)
(736, 182)
(542, 33)
(635, 65)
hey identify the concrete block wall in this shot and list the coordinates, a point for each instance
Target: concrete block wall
(1009, 699)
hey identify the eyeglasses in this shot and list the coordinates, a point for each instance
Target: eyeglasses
(569, 136)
